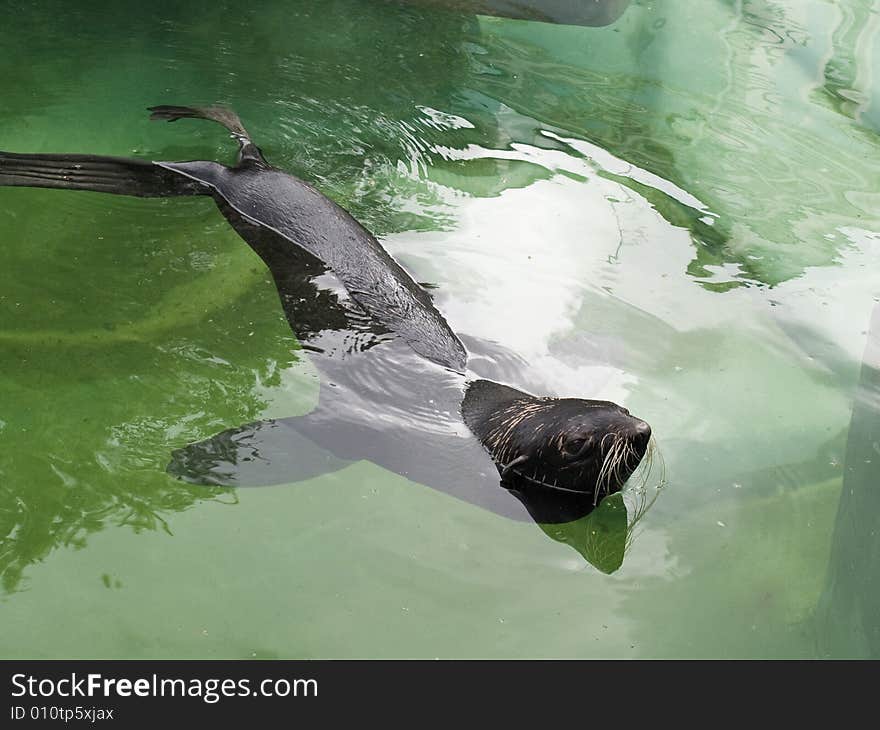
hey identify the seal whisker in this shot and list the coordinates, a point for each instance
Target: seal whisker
(644, 499)
(626, 452)
(518, 460)
(613, 459)
(606, 471)
(619, 459)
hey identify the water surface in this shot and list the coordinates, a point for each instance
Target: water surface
(678, 211)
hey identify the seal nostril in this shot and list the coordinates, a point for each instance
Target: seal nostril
(643, 428)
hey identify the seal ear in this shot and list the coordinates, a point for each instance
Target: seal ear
(482, 400)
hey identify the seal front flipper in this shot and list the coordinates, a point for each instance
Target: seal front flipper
(295, 449)
(97, 173)
(256, 454)
(290, 450)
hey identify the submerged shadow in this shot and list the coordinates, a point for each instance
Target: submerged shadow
(848, 614)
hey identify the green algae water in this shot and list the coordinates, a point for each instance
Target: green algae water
(678, 211)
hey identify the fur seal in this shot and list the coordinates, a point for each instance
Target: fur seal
(343, 294)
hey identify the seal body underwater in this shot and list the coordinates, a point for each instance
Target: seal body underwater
(405, 396)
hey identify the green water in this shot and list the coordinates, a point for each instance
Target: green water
(680, 212)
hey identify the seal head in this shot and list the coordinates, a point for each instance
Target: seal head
(563, 444)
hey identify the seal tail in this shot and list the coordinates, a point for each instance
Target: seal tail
(117, 175)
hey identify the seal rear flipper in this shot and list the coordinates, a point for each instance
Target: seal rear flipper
(221, 115)
(247, 150)
(116, 175)
(262, 453)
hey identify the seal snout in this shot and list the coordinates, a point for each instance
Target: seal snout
(639, 437)
(641, 428)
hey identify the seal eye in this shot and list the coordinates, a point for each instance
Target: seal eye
(575, 447)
